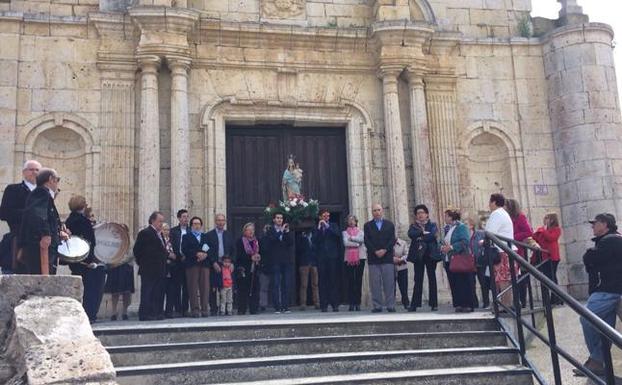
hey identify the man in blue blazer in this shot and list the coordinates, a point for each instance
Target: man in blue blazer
(220, 242)
(326, 239)
(379, 241)
(278, 244)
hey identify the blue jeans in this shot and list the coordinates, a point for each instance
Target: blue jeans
(282, 274)
(604, 305)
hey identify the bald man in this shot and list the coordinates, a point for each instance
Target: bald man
(379, 240)
(220, 242)
(13, 203)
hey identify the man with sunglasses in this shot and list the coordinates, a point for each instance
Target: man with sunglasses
(12, 208)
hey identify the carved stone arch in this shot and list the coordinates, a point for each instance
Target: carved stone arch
(488, 151)
(65, 142)
(352, 115)
(420, 10)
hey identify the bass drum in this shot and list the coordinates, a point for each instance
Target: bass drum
(112, 243)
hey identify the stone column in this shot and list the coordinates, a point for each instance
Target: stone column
(149, 141)
(396, 169)
(180, 137)
(441, 104)
(420, 143)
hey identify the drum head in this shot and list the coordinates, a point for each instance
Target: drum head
(112, 243)
(74, 249)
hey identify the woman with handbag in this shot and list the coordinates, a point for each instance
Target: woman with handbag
(455, 246)
(423, 254)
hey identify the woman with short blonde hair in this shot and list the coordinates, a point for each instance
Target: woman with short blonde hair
(77, 203)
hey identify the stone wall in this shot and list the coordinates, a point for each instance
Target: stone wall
(45, 335)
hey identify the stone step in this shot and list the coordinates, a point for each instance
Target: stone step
(309, 365)
(201, 351)
(485, 375)
(178, 332)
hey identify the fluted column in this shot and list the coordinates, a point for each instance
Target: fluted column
(149, 141)
(395, 150)
(420, 143)
(441, 104)
(180, 137)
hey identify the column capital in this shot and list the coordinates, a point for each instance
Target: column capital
(414, 77)
(390, 72)
(178, 65)
(149, 63)
(440, 83)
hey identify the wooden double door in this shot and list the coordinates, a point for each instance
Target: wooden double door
(257, 157)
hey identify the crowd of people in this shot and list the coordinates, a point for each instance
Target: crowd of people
(187, 271)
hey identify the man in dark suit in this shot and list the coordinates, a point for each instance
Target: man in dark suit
(150, 253)
(279, 247)
(13, 203)
(220, 242)
(327, 239)
(40, 229)
(176, 289)
(379, 241)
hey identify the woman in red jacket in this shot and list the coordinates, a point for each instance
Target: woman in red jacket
(547, 237)
(522, 231)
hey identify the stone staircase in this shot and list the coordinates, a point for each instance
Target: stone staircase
(315, 348)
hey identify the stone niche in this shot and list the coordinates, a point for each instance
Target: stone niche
(64, 150)
(488, 163)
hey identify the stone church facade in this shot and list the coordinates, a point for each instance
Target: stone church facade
(442, 102)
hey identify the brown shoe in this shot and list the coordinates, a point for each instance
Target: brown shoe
(593, 366)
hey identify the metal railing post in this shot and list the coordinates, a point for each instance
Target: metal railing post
(517, 307)
(550, 325)
(609, 376)
(491, 268)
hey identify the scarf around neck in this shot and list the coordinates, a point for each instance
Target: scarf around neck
(251, 246)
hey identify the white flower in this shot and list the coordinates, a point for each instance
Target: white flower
(287, 209)
(304, 204)
(292, 203)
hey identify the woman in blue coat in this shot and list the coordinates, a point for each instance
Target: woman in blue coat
(456, 242)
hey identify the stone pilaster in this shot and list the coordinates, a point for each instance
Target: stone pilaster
(441, 105)
(420, 143)
(180, 137)
(117, 172)
(396, 169)
(149, 142)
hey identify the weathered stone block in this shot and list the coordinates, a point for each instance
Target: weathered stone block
(57, 343)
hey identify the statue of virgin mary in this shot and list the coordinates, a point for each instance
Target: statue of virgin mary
(292, 179)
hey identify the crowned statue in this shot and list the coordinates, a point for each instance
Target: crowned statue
(292, 179)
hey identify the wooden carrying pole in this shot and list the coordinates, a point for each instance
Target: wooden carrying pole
(45, 260)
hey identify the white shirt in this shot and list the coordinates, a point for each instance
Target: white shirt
(500, 223)
(31, 186)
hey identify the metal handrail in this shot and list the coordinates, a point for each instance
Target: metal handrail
(609, 334)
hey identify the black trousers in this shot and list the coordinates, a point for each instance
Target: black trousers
(452, 285)
(328, 272)
(151, 297)
(248, 292)
(427, 265)
(402, 283)
(174, 285)
(30, 262)
(354, 276)
(464, 287)
(550, 270)
(93, 281)
(484, 283)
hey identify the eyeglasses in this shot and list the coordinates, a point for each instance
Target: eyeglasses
(32, 169)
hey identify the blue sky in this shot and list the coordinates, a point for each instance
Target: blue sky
(602, 11)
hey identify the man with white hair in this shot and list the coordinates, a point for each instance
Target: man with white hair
(13, 203)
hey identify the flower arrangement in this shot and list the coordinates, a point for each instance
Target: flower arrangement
(294, 210)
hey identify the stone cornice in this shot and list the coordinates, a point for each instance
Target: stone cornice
(164, 19)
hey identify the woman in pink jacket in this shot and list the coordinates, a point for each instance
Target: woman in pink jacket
(522, 231)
